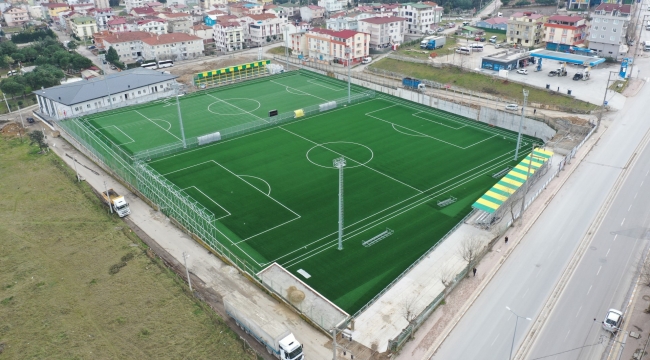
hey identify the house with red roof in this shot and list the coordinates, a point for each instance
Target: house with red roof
(325, 45)
(311, 12)
(525, 29)
(258, 29)
(561, 32)
(384, 31)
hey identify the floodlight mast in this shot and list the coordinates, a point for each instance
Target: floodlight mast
(339, 163)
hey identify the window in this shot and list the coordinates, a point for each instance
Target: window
(613, 29)
(612, 38)
(593, 36)
(602, 36)
(596, 28)
(597, 20)
(604, 28)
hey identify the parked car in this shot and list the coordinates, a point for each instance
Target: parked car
(479, 38)
(613, 320)
(366, 60)
(493, 39)
(30, 120)
(113, 67)
(522, 71)
(91, 47)
(577, 76)
(440, 29)
(512, 107)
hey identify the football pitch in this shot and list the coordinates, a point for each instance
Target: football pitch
(274, 192)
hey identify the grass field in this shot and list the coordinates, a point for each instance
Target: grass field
(274, 192)
(57, 297)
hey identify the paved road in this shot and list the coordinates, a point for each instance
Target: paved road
(529, 275)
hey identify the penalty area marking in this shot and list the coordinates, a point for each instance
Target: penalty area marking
(209, 198)
(118, 129)
(317, 83)
(435, 122)
(168, 123)
(255, 177)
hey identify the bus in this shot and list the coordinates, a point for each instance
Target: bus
(165, 63)
(149, 65)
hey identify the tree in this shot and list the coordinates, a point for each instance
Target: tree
(72, 45)
(37, 137)
(81, 62)
(11, 87)
(446, 276)
(112, 56)
(114, 3)
(30, 53)
(469, 250)
(18, 57)
(268, 39)
(408, 311)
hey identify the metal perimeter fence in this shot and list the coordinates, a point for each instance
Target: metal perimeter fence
(256, 125)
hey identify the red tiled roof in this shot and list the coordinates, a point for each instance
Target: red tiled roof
(343, 34)
(54, 5)
(383, 20)
(565, 18)
(169, 38)
(314, 7)
(262, 16)
(497, 20)
(117, 21)
(143, 10)
(624, 9)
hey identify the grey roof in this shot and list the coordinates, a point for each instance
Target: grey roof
(95, 88)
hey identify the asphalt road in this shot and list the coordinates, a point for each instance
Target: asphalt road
(527, 278)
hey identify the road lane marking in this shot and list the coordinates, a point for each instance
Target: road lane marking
(622, 222)
(588, 291)
(567, 335)
(599, 270)
(607, 252)
(495, 339)
(615, 236)
(641, 183)
(628, 209)
(578, 311)
(538, 271)
(636, 195)
(525, 293)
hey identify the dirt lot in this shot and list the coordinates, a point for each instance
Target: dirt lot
(76, 283)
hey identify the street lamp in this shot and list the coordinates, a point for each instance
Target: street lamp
(348, 52)
(602, 106)
(521, 120)
(515, 333)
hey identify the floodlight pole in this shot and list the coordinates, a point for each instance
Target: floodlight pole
(348, 51)
(526, 184)
(22, 123)
(339, 163)
(180, 118)
(521, 121)
(286, 45)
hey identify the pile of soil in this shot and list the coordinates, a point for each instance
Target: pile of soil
(12, 129)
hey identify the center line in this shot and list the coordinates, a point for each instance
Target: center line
(628, 209)
(622, 221)
(615, 236)
(588, 291)
(567, 335)
(636, 195)
(525, 293)
(599, 270)
(495, 339)
(578, 311)
(607, 252)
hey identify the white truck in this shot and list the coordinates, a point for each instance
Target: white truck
(277, 339)
(116, 202)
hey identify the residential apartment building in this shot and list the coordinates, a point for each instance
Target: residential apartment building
(311, 12)
(16, 16)
(177, 23)
(525, 29)
(142, 12)
(331, 6)
(579, 4)
(119, 24)
(327, 45)
(36, 12)
(102, 4)
(261, 28)
(607, 34)
(384, 31)
(291, 9)
(102, 17)
(228, 35)
(84, 26)
(209, 4)
(154, 26)
(52, 10)
(140, 45)
(419, 17)
(562, 31)
(204, 32)
(349, 20)
(132, 4)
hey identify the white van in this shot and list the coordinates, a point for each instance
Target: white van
(476, 47)
(463, 50)
(366, 60)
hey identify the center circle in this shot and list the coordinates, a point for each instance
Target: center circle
(234, 106)
(323, 155)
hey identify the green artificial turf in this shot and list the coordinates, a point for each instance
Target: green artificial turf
(274, 192)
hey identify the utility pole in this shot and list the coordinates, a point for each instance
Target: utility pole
(4, 97)
(187, 271)
(339, 163)
(636, 47)
(527, 184)
(286, 45)
(521, 121)
(20, 113)
(602, 106)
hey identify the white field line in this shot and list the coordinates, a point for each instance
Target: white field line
(317, 83)
(361, 164)
(409, 198)
(401, 132)
(158, 125)
(257, 132)
(287, 87)
(435, 122)
(236, 107)
(429, 136)
(209, 198)
(267, 230)
(383, 219)
(267, 184)
(168, 123)
(457, 119)
(118, 129)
